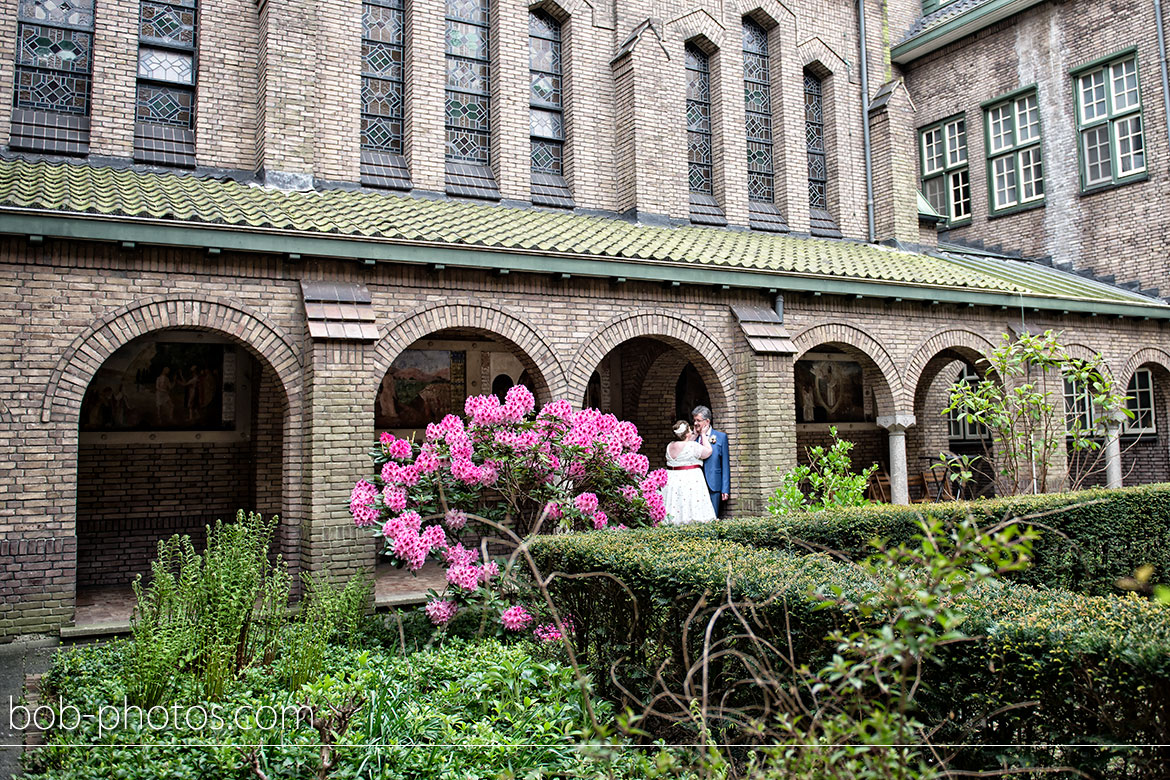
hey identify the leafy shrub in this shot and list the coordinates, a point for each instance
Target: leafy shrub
(467, 710)
(827, 481)
(1096, 668)
(211, 613)
(1088, 540)
(328, 613)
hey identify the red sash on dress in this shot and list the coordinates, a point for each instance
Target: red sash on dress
(682, 468)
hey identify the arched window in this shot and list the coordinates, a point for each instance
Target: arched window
(383, 162)
(700, 150)
(546, 111)
(821, 221)
(757, 89)
(468, 110)
(164, 130)
(54, 68)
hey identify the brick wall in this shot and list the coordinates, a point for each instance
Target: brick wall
(1113, 232)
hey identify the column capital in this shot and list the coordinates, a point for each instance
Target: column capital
(896, 423)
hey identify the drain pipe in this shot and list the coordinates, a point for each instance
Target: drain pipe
(1162, 58)
(865, 113)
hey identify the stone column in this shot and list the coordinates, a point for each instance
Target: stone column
(897, 424)
(1113, 454)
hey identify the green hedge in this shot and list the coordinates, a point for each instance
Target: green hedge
(1108, 534)
(1098, 666)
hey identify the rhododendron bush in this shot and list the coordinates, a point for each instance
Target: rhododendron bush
(503, 467)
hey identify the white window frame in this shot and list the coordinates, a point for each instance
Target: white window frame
(1012, 134)
(959, 429)
(955, 173)
(1140, 406)
(1108, 82)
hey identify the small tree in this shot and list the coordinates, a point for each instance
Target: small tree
(1033, 440)
(827, 481)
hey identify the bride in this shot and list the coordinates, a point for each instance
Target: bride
(685, 495)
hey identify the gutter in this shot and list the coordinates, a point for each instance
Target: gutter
(959, 27)
(371, 251)
(865, 141)
(1162, 59)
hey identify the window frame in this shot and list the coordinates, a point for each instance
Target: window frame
(1109, 120)
(948, 169)
(1130, 426)
(1015, 149)
(967, 431)
(690, 49)
(485, 97)
(365, 140)
(536, 105)
(768, 145)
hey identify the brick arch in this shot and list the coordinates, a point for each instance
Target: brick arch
(966, 343)
(816, 53)
(698, 23)
(772, 10)
(537, 355)
(713, 364)
(1085, 352)
(82, 359)
(860, 343)
(1154, 355)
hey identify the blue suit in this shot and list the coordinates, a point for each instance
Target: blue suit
(717, 469)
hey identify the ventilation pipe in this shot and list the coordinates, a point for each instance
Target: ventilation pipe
(865, 113)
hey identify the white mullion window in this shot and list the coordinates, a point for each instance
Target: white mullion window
(960, 429)
(1015, 168)
(946, 177)
(1109, 120)
(1078, 405)
(1140, 402)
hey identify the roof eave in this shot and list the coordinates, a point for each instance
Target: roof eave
(139, 231)
(954, 29)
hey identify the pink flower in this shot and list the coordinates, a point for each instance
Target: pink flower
(400, 449)
(441, 612)
(586, 503)
(634, 464)
(464, 576)
(487, 571)
(434, 536)
(361, 503)
(654, 481)
(629, 492)
(426, 462)
(549, 632)
(394, 498)
(559, 410)
(386, 438)
(518, 403)
(455, 519)
(488, 474)
(600, 520)
(553, 510)
(516, 618)
(466, 472)
(458, 555)
(657, 507)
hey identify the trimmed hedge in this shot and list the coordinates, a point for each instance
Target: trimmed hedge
(1098, 666)
(1108, 533)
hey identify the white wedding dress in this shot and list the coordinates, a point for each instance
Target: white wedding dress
(686, 495)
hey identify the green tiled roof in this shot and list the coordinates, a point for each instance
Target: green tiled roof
(80, 190)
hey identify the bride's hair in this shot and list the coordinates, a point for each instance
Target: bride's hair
(681, 429)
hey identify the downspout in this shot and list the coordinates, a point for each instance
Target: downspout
(1162, 59)
(865, 113)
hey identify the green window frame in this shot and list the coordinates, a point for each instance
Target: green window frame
(946, 174)
(1015, 165)
(930, 6)
(1110, 127)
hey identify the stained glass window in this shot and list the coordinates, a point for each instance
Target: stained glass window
(699, 150)
(54, 55)
(166, 63)
(757, 88)
(383, 68)
(468, 119)
(546, 104)
(814, 136)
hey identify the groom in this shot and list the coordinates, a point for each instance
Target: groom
(717, 468)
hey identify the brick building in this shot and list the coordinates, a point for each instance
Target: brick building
(238, 239)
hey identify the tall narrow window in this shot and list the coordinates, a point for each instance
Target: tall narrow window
(383, 163)
(1109, 118)
(700, 152)
(546, 111)
(1014, 166)
(946, 178)
(164, 130)
(821, 222)
(757, 90)
(468, 115)
(54, 66)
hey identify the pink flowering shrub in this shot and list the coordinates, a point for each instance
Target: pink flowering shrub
(502, 465)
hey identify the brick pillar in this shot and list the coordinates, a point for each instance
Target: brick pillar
(115, 72)
(288, 90)
(511, 151)
(765, 447)
(895, 183)
(426, 79)
(339, 432)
